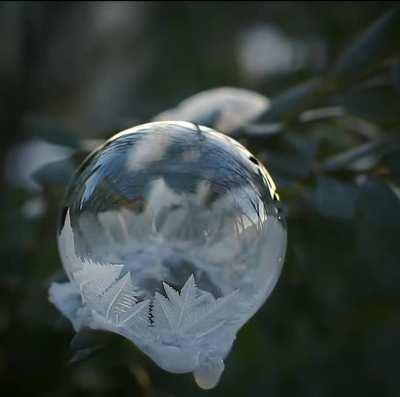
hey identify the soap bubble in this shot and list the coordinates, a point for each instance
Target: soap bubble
(173, 237)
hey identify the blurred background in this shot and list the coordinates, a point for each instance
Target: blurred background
(74, 73)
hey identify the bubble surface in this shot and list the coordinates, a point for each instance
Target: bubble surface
(172, 236)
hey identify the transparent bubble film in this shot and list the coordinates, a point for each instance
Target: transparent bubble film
(171, 236)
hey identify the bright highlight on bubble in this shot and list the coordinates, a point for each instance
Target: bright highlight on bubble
(171, 236)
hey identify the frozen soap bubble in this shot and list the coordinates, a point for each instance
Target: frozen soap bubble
(171, 236)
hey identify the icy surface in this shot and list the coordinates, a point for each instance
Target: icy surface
(172, 237)
(227, 108)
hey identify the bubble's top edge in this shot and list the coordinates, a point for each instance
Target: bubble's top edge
(185, 124)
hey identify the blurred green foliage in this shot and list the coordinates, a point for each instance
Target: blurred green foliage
(72, 72)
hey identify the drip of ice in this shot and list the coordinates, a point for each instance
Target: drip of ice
(171, 236)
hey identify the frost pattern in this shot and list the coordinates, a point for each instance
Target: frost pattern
(192, 312)
(182, 331)
(186, 331)
(114, 300)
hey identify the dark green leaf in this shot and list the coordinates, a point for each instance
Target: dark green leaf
(52, 131)
(292, 102)
(335, 199)
(258, 131)
(391, 160)
(56, 173)
(396, 77)
(370, 150)
(381, 105)
(371, 48)
(320, 114)
(87, 343)
(378, 231)
(294, 162)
